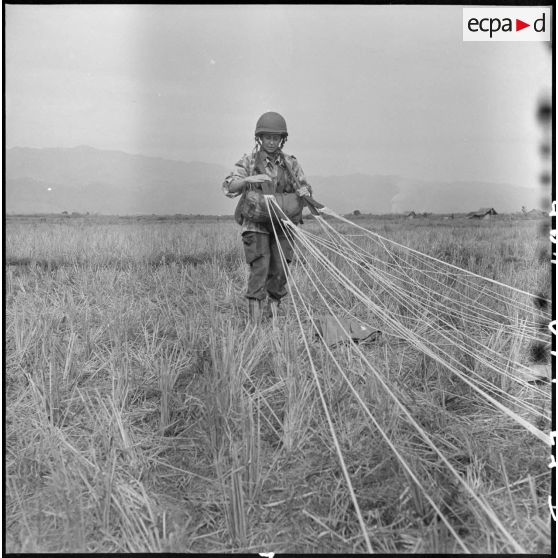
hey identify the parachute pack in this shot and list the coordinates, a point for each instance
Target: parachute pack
(252, 207)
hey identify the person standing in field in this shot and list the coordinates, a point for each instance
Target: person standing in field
(270, 171)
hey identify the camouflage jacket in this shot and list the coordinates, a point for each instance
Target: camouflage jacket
(272, 165)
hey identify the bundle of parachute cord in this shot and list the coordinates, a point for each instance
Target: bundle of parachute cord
(473, 327)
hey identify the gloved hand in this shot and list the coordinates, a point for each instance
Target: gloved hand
(303, 191)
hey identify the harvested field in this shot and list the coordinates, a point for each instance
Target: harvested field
(144, 415)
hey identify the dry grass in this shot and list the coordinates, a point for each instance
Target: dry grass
(144, 416)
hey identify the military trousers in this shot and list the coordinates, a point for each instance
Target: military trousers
(267, 273)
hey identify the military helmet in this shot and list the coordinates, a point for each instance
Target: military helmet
(271, 123)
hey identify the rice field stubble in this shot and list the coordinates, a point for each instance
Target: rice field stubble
(143, 416)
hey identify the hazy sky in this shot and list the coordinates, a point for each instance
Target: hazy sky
(370, 89)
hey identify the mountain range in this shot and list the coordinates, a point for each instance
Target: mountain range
(83, 179)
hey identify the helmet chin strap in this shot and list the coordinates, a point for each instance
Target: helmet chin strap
(258, 145)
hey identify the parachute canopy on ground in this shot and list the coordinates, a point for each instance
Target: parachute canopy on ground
(336, 330)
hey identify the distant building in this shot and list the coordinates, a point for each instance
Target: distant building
(483, 213)
(535, 213)
(411, 215)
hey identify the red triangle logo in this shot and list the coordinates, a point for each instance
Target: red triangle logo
(519, 25)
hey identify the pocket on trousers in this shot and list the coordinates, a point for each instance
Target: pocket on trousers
(252, 250)
(289, 254)
(287, 249)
